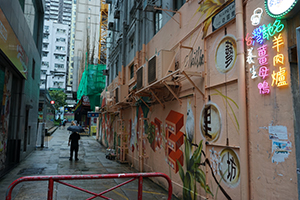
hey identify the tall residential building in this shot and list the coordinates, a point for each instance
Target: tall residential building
(59, 11)
(21, 33)
(71, 100)
(86, 37)
(54, 56)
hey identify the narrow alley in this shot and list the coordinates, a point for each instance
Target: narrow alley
(53, 159)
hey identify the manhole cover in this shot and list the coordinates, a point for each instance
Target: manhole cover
(31, 171)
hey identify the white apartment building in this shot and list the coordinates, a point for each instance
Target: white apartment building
(59, 11)
(72, 45)
(54, 56)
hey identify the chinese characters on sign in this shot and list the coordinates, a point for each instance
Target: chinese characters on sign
(226, 54)
(224, 16)
(260, 36)
(229, 167)
(278, 78)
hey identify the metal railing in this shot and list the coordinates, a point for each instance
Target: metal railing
(60, 178)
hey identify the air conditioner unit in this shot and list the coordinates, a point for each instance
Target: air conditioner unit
(109, 100)
(121, 92)
(110, 26)
(140, 77)
(158, 65)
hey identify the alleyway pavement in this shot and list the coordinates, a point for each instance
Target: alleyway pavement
(53, 159)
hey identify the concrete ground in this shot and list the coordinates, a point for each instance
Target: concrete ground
(53, 159)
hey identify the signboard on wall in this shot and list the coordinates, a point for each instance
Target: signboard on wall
(10, 45)
(223, 17)
(281, 8)
(92, 114)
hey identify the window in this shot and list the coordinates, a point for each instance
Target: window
(33, 68)
(60, 48)
(44, 63)
(46, 28)
(157, 21)
(60, 57)
(44, 72)
(60, 39)
(46, 36)
(59, 30)
(131, 42)
(117, 71)
(60, 66)
(45, 45)
(131, 71)
(178, 3)
(45, 54)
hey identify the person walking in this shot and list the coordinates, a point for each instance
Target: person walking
(73, 140)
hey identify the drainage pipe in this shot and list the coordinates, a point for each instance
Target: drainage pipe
(244, 154)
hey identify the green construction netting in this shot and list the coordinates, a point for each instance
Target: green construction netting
(92, 83)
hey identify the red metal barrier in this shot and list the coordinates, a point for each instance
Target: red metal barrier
(59, 178)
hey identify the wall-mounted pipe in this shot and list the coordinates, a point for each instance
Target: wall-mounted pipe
(240, 62)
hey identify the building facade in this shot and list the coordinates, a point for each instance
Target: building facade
(86, 37)
(72, 44)
(206, 92)
(54, 56)
(21, 47)
(60, 12)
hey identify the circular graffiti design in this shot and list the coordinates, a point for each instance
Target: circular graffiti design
(210, 122)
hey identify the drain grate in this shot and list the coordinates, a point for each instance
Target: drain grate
(31, 171)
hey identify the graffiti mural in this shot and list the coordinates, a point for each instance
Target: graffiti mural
(5, 112)
(226, 54)
(193, 171)
(174, 122)
(190, 122)
(133, 134)
(195, 58)
(154, 134)
(229, 167)
(210, 122)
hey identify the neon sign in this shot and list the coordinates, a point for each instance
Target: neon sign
(259, 36)
(256, 17)
(271, 29)
(253, 72)
(279, 77)
(250, 56)
(280, 8)
(264, 88)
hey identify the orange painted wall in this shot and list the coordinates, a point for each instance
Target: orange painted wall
(269, 177)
